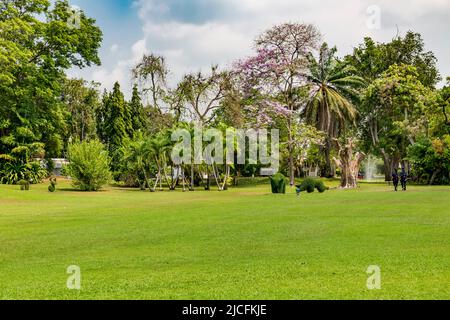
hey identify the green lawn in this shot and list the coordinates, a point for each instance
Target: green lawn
(241, 244)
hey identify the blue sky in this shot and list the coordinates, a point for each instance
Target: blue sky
(193, 34)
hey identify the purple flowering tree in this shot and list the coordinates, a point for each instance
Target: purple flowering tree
(273, 79)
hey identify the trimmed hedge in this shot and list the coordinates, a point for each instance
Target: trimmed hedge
(310, 185)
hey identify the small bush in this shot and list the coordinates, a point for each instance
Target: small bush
(35, 172)
(88, 165)
(24, 185)
(52, 186)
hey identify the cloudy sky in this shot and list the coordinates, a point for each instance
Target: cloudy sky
(193, 34)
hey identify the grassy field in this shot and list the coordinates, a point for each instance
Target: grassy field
(241, 244)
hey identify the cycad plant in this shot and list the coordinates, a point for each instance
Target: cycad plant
(13, 172)
(333, 87)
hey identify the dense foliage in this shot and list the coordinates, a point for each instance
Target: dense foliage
(381, 100)
(37, 46)
(89, 165)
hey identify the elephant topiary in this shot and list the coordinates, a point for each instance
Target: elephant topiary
(278, 183)
(309, 185)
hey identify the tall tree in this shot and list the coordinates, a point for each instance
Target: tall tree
(275, 75)
(203, 94)
(101, 115)
(332, 86)
(372, 59)
(445, 102)
(81, 100)
(117, 125)
(37, 46)
(137, 111)
(151, 73)
(394, 106)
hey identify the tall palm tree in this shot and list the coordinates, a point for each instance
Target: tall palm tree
(333, 86)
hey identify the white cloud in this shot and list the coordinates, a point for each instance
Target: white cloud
(121, 69)
(192, 37)
(191, 47)
(223, 38)
(114, 48)
(412, 9)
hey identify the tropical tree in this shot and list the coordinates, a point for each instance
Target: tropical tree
(160, 147)
(332, 87)
(151, 73)
(37, 45)
(430, 159)
(274, 77)
(445, 103)
(81, 101)
(137, 162)
(394, 107)
(202, 94)
(306, 139)
(371, 59)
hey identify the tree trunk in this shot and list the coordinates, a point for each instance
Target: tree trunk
(391, 164)
(192, 187)
(349, 163)
(329, 172)
(291, 159)
(434, 176)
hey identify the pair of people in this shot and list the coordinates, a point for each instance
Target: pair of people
(403, 178)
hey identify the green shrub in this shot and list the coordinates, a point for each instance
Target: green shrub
(88, 165)
(320, 186)
(278, 183)
(13, 172)
(52, 186)
(309, 185)
(35, 172)
(24, 185)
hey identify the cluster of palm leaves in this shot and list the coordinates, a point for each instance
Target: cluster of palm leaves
(15, 171)
(146, 160)
(146, 157)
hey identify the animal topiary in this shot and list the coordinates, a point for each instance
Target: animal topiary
(320, 186)
(24, 185)
(52, 186)
(309, 185)
(278, 183)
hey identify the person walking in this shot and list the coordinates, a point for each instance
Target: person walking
(403, 179)
(395, 180)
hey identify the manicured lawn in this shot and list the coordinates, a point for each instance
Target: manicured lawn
(240, 244)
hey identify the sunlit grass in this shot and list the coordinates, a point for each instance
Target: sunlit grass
(241, 244)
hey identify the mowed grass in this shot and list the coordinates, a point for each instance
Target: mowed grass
(241, 244)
